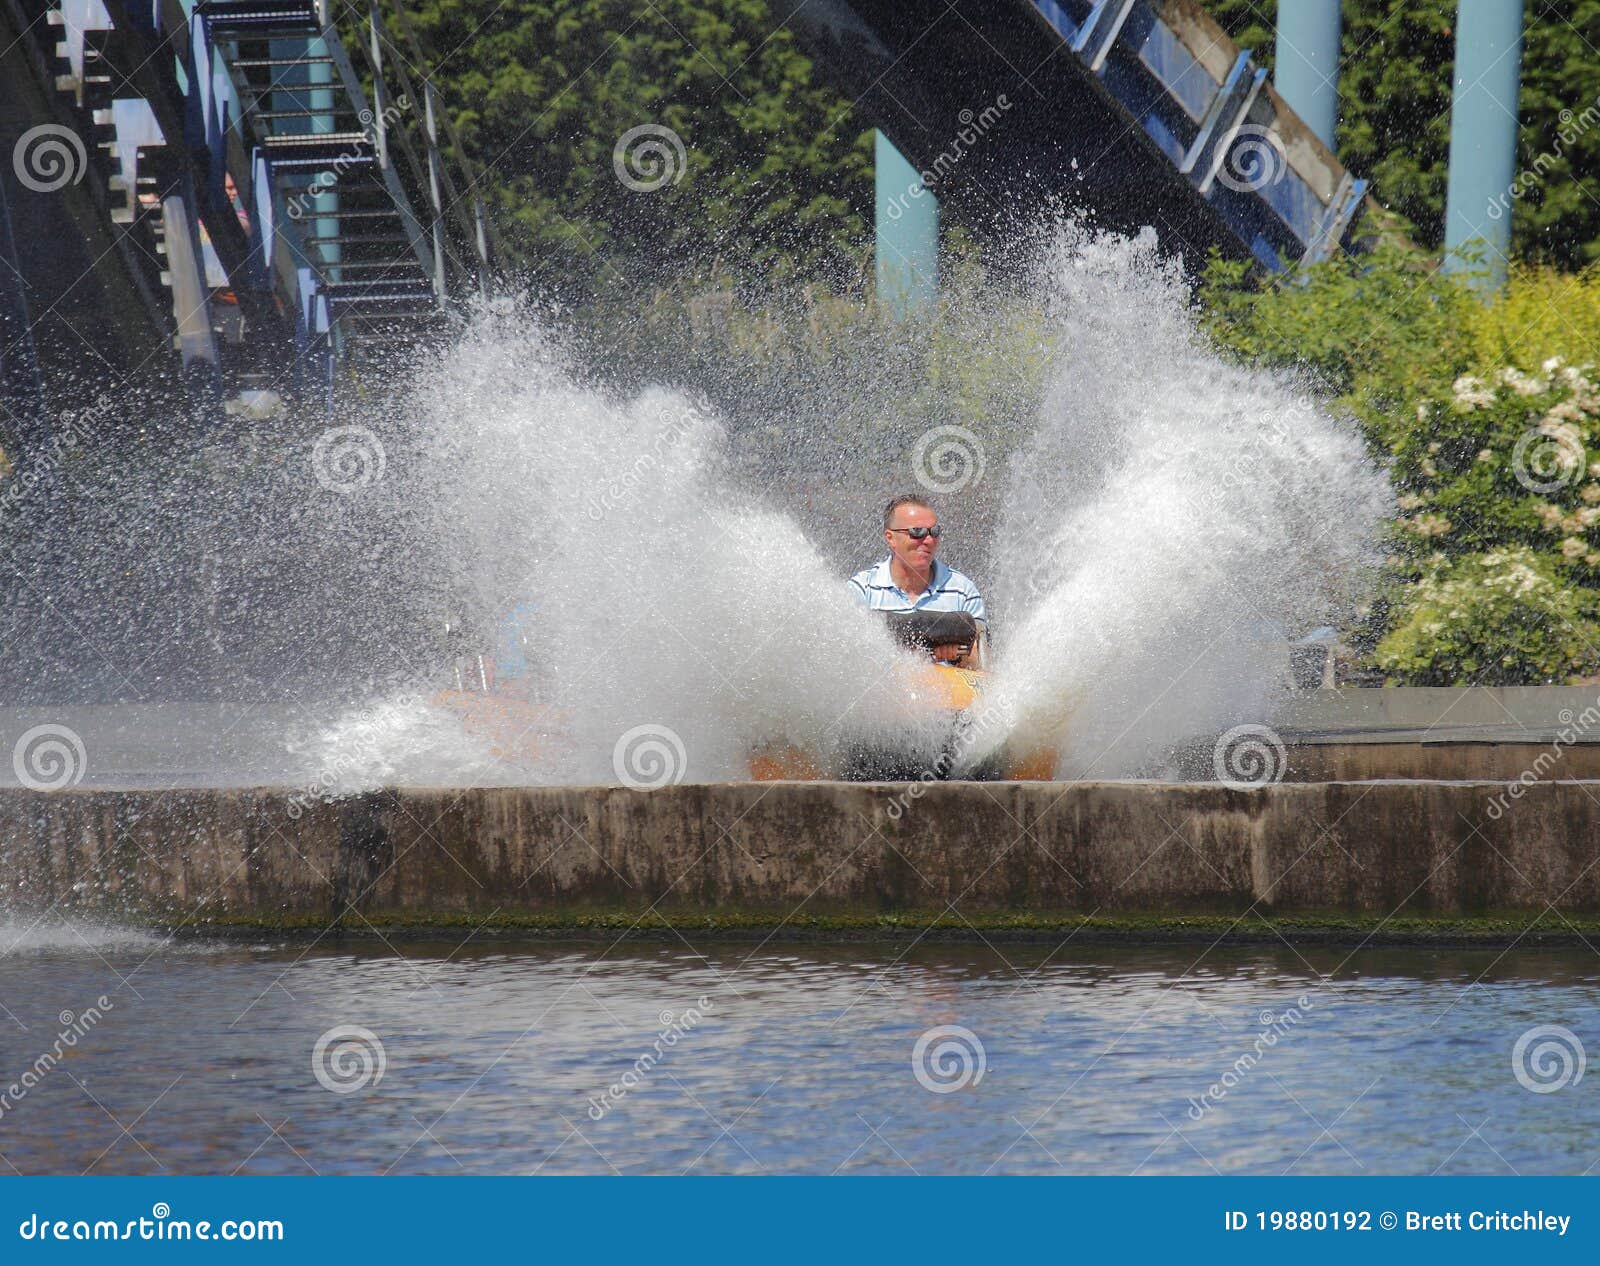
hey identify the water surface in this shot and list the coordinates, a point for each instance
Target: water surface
(497, 1058)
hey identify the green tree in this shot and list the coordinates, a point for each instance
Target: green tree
(1487, 416)
(1394, 112)
(774, 174)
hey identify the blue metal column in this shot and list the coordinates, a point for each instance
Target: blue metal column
(907, 232)
(1483, 135)
(1307, 75)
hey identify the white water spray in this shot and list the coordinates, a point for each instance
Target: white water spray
(1170, 523)
(1167, 521)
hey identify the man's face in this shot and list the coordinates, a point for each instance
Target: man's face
(916, 555)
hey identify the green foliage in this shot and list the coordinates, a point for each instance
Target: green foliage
(1372, 329)
(1504, 616)
(1394, 112)
(1492, 434)
(777, 167)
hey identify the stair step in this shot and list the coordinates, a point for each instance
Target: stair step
(318, 151)
(303, 114)
(410, 265)
(258, 15)
(286, 61)
(356, 239)
(417, 303)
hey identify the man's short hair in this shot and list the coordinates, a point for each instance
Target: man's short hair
(904, 499)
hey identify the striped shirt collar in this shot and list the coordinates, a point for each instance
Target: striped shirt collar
(883, 578)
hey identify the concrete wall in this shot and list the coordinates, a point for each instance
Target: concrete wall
(1505, 710)
(1477, 761)
(766, 852)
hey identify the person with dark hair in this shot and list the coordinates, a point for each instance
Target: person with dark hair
(912, 578)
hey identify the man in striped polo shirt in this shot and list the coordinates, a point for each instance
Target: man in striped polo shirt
(912, 578)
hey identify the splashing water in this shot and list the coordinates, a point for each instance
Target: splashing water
(1164, 522)
(1170, 523)
(62, 934)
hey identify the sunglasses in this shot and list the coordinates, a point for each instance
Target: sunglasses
(917, 533)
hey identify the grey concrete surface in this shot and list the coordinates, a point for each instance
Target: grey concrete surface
(814, 850)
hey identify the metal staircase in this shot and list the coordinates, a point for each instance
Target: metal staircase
(280, 179)
(333, 191)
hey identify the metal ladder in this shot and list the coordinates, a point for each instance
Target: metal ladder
(334, 195)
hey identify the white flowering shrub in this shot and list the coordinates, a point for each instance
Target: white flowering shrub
(1488, 416)
(1499, 530)
(1506, 615)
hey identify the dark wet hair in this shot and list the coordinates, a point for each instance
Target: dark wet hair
(904, 499)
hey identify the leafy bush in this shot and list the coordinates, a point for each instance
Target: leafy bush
(1488, 415)
(1507, 616)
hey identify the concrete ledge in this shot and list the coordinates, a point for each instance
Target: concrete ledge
(775, 855)
(1509, 711)
(1476, 760)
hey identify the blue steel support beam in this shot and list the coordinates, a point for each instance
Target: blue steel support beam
(1307, 74)
(1483, 136)
(907, 232)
